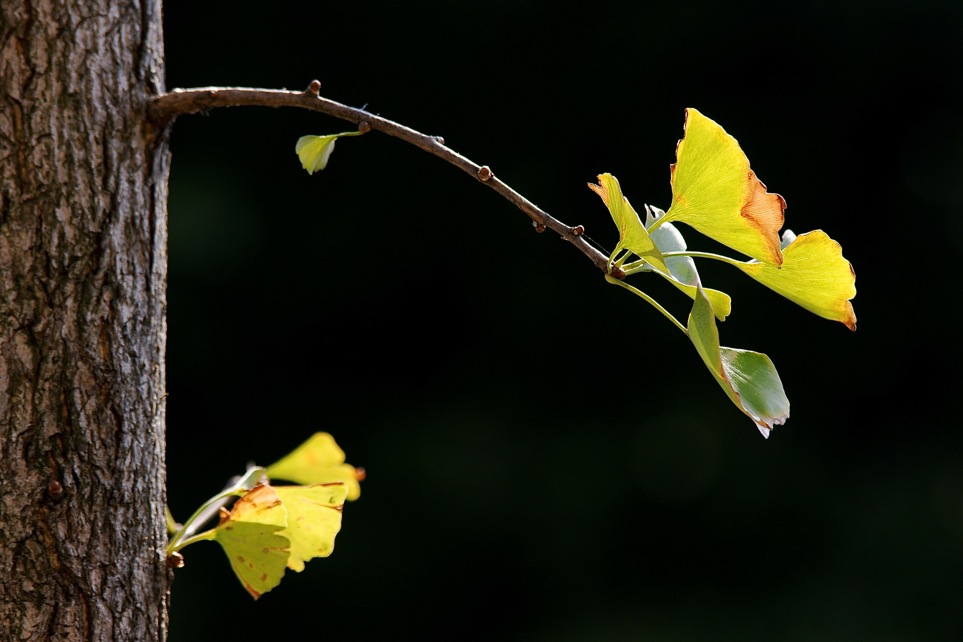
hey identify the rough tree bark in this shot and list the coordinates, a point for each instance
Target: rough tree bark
(83, 265)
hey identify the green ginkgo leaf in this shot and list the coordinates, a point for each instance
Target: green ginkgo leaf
(314, 151)
(314, 519)
(250, 537)
(813, 274)
(715, 192)
(682, 269)
(632, 234)
(748, 378)
(319, 460)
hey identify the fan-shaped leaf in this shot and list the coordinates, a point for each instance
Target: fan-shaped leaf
(682, 269)
(249, 535)
(748, 378)
(314, 151)
(714, 191)
(813, 274)
(314, 519)
(632, 234)
(319, 460)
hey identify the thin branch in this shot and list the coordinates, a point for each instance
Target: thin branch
(167, 107)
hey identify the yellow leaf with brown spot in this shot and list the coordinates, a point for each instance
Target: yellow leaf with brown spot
(314, 519)
(250, 537)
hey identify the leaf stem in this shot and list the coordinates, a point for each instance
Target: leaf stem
(704, 255)
(650, 300)
(210, 508)
(207, 535)
(172, 525)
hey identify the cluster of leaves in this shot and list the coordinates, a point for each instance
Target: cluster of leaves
(715, 192)
(271, 528)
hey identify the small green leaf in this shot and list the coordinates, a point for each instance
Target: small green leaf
(250, 537)
(814, 274)
(314, 151)
(319, 460)
(715, 191)
(314, 519)
(682, 269)
(748, 378)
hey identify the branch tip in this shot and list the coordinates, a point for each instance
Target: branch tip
(485, 173)
(314, 88)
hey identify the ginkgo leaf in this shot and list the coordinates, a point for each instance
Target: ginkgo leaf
(314, 519)
(250, 537)
(748, 378)
(319, 460)
(682, 269)
(632, 234)
(715, 192)
(813, 274)
(314, 151)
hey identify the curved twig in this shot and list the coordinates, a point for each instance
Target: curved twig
(167, 107)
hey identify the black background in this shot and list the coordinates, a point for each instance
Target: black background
(548, 458)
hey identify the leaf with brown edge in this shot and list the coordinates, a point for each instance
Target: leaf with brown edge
(632, 234)
(715, 192)
(814, 274)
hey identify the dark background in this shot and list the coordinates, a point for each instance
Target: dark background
(548, 458)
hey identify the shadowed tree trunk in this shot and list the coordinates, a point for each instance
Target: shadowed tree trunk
(83, 265)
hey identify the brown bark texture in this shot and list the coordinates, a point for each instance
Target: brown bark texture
(83, 267)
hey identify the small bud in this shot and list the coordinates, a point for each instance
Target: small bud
(485, 174)
(55, 489)
(539, 227)
(578, 230)
(617, 272)
(439, 140)
(314, 88)
(364, 127)
(175, 560)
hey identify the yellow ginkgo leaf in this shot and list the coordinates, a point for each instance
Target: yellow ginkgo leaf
(314, 151)
(814, 274)
(314, 519)
(632, 234)
(250, 537)
(319, 460)
(715, 192)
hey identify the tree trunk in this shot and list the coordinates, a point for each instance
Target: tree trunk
(83, 268)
